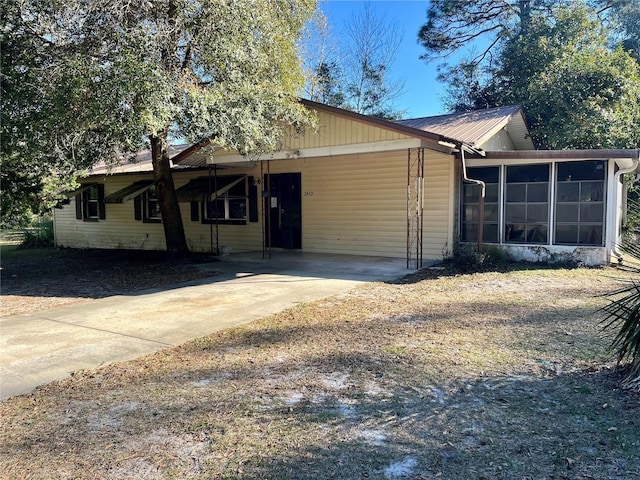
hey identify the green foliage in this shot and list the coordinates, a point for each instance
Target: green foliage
(330, 91)
(576, 91)
(626, 23)
(570, 66)
(584, 94)
(633, 202)
(454, 24)
(622, 315)
(630, 241)
(37, 235)
(87, 81)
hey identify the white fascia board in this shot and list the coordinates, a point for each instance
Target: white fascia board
(488, 162)
(622, 163)
(331, 151)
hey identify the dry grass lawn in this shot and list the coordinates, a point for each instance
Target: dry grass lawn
(441, 375)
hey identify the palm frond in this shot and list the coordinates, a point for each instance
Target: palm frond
(622, 313)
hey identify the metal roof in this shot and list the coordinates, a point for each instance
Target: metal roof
(475, 128)
(141, 163)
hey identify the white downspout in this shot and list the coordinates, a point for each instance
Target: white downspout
(483, 189)
(613, 234)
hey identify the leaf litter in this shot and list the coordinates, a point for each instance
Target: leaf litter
(440, 375)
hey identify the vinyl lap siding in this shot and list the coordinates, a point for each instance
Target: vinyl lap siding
(118, 230)
(438, 208)
(351, 204)
(358, 205)
(201, 237)
(334, 130)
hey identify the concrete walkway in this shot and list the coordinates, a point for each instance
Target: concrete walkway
(48, 345)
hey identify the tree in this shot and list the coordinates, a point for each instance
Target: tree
(576, 91)
(372, 43)
(329, 86)
(356, 74)
(324, 81)
(454, 24)
(122, 73)
(44, 135)
(625, 16)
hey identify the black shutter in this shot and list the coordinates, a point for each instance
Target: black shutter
(195, 211)
(101, 210)
(253, 201)
(137, 207)
(79, 207)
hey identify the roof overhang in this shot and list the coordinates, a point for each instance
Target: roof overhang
(478, 128)
(624, 158)
(516, 127)
(82, 188)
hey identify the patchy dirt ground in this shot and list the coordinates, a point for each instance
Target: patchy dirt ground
(39, 279)
(495, 375)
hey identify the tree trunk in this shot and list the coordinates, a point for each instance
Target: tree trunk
(167, 200)
(525, 15)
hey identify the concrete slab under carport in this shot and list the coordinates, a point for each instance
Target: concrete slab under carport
(48, 345)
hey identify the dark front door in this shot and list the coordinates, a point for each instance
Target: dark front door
(284, 211)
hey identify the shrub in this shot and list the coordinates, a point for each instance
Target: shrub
(622, 315)
(38, 235)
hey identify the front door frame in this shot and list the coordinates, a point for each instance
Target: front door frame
(283, 210)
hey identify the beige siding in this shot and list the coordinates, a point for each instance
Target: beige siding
(438, 208)
(118, 230)
(121, 230)
(335, 130)
(500, 141)
(355, 204)
(351, 204)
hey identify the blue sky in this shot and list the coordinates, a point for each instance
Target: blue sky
(423, 93)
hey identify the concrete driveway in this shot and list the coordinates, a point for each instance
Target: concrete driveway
(48, 345)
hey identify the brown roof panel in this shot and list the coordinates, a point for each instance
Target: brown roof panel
(472, 128)
(141, 164)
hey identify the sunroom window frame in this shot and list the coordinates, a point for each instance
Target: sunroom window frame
(579, 223)
(551, 206)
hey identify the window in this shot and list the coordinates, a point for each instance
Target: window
(471, 205)
(527, 204)
(229, 206)
(223, 199)
(580, 203)
(90, 203)
(151, 207)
